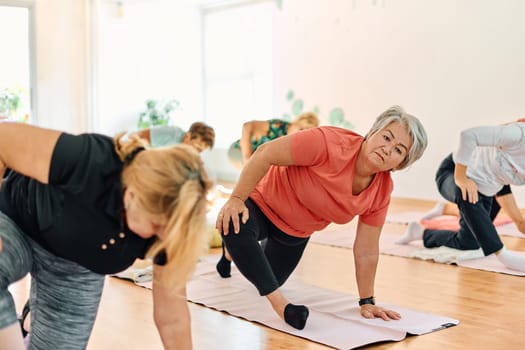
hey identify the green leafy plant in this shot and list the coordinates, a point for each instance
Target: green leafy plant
(158, 112)
(336, 117)
(9, 102)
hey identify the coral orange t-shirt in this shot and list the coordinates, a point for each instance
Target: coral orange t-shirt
(317, 189)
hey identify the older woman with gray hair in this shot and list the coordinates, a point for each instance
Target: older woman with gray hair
(298, 184)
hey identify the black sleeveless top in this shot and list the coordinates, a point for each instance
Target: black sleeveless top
(78, 215)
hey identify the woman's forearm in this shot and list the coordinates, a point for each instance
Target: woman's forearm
(253, 171)
(366, 257)
(171, 312)
(510, 207)
(365, 271)
(246, 141)
(276, 152)
(177, 335)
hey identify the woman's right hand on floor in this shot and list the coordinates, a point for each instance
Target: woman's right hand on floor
(374, 311)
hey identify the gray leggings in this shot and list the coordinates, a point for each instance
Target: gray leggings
(64, 296)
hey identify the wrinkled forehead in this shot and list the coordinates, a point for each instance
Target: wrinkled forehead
(399, 131)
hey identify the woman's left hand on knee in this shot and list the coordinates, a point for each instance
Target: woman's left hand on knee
(230, 212)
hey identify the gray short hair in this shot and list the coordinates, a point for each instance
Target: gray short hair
(412, 124)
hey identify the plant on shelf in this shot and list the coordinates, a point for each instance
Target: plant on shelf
(158, 112)
(9, 103)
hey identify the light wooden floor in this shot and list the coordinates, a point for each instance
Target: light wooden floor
(490, 306)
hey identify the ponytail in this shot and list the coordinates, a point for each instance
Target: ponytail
(128, 149)
(187, 233)
(172, 182)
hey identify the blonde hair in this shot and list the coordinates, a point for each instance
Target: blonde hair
(307, 120)
(170, 181)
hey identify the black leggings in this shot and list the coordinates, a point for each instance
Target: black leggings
(267, 265)
(476, 226)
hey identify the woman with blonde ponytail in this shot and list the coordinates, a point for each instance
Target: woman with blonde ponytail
(173, 190)
(75, 208)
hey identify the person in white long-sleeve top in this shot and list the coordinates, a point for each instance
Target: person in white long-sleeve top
(488, 158)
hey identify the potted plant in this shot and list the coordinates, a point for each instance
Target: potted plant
(9, 103)
(158, 112)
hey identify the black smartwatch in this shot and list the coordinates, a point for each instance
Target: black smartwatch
(369, 300)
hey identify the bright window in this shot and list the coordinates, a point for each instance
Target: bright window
(237, 67)
(15, 86)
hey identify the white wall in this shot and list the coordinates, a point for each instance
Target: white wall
(61, 49)
(87, 49)
(147, 49)
(454, 64)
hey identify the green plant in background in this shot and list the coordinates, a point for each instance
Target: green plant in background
(289, 97)
(9, 102)
(297, 107)
(158, 112)
(336, 117)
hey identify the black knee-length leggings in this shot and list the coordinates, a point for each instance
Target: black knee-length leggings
(267, 265)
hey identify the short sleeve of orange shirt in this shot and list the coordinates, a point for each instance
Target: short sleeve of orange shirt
(317, 189)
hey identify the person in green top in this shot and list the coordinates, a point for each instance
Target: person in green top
(257, 132)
